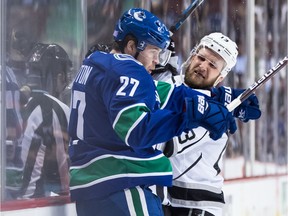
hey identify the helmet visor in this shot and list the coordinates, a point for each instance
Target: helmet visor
(164, 57)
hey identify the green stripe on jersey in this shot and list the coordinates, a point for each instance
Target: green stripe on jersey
(137, 201)
(164, 90)
(128, 118)
(109, 167)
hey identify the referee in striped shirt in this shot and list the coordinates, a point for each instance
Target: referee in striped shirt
(45, 119)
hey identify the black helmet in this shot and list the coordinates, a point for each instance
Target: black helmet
(45, 64)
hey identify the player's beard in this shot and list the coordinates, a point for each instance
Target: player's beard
(196, 81)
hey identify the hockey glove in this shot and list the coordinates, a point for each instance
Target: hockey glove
(211, 115)
(247, 110)
(168, 61)
(98, 47)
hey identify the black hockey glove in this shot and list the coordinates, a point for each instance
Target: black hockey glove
(247, 110)
(168, 61)
(211, 115)
(98, 47)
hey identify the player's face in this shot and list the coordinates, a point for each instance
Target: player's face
(149, 57)
(204, 68)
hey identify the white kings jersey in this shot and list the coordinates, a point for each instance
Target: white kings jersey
(196, 160)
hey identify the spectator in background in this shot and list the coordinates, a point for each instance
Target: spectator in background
(14, 134)
(45, 117)
(21, 42)
(240, 67)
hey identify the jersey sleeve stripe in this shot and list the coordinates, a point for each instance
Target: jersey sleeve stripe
(128, 118)
(164, 90)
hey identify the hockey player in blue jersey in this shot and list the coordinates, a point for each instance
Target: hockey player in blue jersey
(197, 159)
(118, 113)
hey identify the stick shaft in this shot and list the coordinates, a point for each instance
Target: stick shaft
(268, 75)
(186, 13)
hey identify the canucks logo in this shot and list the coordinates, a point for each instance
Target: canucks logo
(140, 16)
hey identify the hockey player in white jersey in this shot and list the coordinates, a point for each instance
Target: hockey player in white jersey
(196, 158)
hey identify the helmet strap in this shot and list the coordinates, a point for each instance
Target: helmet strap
(218, 80)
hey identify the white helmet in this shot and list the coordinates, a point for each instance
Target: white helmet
(223, 46)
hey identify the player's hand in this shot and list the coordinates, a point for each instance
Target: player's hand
(211, 115)
(247, 110)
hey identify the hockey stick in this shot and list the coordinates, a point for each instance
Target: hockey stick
(237, 101)
(185, 14)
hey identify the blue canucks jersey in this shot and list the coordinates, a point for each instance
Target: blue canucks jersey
(117, 114)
